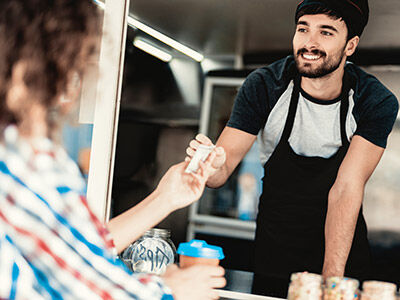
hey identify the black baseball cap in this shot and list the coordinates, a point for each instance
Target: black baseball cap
(355, 13)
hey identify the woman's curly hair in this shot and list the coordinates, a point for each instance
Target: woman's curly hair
(53, 38)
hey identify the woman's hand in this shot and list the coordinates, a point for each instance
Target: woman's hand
(176, 189)
(195, 283)
(182, 189)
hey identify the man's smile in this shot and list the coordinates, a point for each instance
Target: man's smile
(310, 57)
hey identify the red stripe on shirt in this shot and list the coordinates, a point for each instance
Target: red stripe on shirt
(101, 229)
(60, 262)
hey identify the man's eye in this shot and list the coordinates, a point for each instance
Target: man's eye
(327, 33)
(301, 30)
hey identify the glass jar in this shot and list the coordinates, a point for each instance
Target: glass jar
(305, 286)
(378, 290)
(341, 288)
(152, 253)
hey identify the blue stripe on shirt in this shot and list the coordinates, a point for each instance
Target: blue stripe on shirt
(41, 279)
(66, 189)
(15, 274)
(44, 282)
(119, 264)
(63, 189)
(95, 249)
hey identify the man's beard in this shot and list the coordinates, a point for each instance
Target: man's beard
(327, 66)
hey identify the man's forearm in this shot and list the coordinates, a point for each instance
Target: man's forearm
(343, 209)
(235, 143)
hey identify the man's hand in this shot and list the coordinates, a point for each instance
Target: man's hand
(195, 283)
(220, 156)
(182, 189)
(231, 147)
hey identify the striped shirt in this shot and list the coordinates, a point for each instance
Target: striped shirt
(51, 245)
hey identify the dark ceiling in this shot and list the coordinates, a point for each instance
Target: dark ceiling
(223, 28)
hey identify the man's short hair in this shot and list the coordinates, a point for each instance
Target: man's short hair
(319, 10)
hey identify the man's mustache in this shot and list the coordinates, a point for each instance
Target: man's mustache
(314, 51)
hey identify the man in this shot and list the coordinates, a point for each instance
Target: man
(322, 126)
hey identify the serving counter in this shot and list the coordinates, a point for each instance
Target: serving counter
(238, 287)
(225, 295)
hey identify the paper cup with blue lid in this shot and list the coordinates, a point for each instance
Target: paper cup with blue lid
(199, 252)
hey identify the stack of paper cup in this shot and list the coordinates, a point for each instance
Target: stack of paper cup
(341, 288)
(305, 286)
(378, 290)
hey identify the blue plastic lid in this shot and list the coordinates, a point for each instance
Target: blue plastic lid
(199, 248)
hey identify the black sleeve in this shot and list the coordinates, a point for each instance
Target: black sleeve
(378, 119)
(250, 110)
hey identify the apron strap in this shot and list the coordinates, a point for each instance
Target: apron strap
(344, 108)
(292, 109)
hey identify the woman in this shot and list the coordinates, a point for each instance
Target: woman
(51, 244)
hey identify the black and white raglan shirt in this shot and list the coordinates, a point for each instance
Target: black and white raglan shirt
(262, 105)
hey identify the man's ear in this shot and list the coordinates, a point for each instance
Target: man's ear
(351, 45)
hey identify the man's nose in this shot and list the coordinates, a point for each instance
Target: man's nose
(311, 42)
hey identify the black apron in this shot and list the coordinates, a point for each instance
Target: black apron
(293, 205)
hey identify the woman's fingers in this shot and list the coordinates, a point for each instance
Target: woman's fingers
(214, 294)
(218, 282)
(217, 271)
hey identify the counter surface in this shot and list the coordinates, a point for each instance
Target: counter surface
(225, 295)
(238, 287)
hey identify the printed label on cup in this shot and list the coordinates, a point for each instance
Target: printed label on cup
(201, 153)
